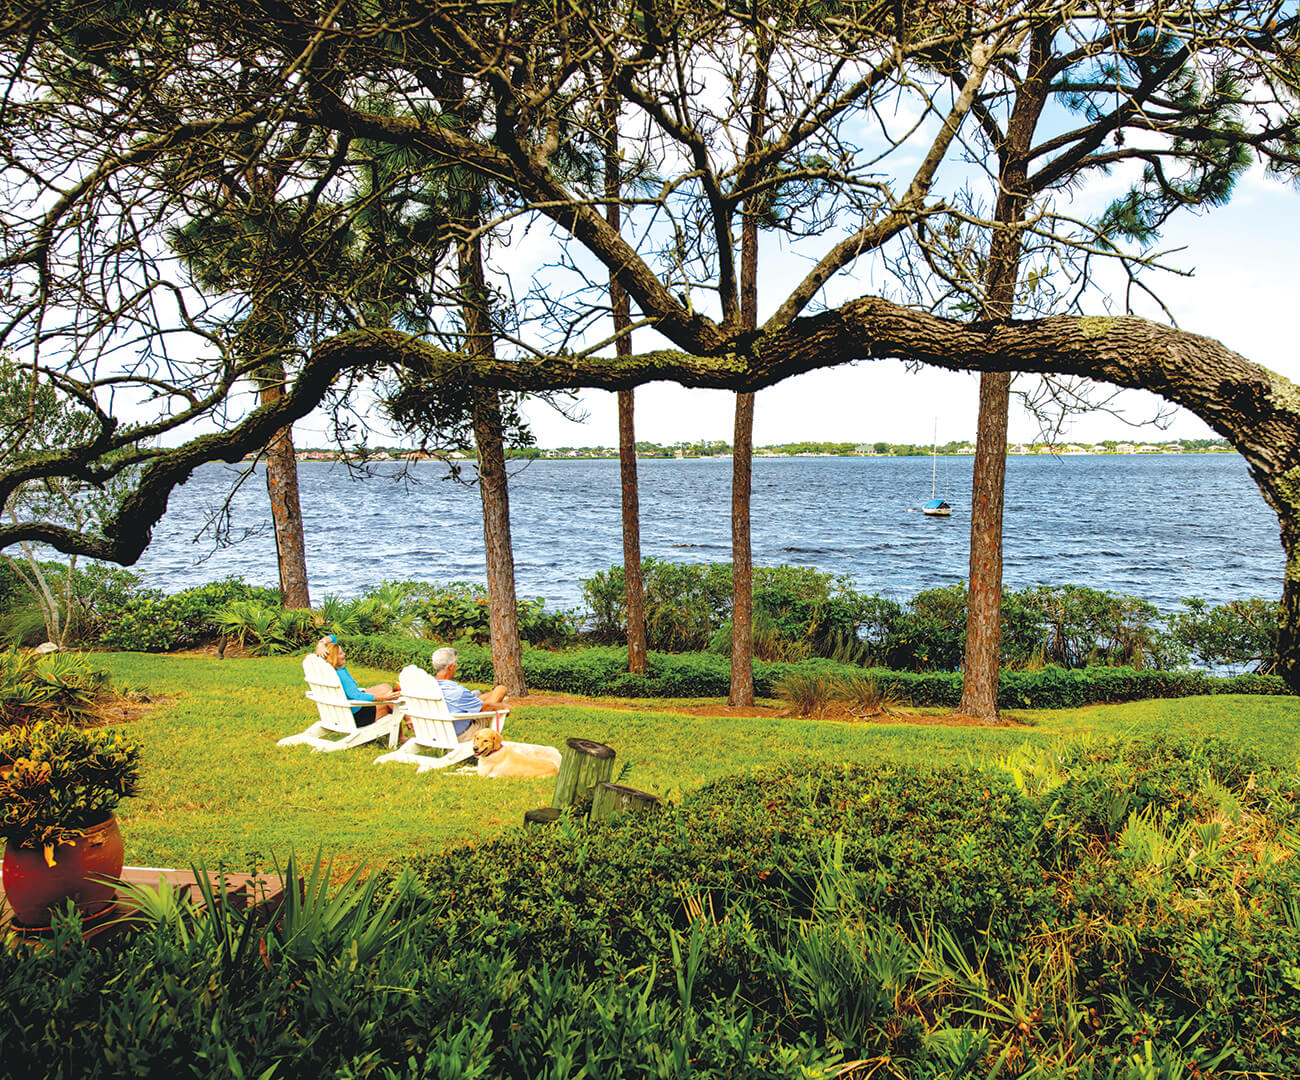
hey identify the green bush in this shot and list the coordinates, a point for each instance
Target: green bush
(61, 687)
(796, 922)
(601, 671)
(1241, 634)
(150, 621)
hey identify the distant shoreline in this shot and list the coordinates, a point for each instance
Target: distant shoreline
(606, 454)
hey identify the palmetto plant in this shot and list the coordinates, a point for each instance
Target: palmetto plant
(316, 925)
(805, 693)
(257, 627)
(57, 687)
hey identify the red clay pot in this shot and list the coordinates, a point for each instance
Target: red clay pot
(33, 887)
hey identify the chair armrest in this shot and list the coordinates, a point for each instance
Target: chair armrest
(349, 701)
(478, 715)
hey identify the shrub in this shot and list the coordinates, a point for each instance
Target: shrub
(1241, 634)
(61, 687)
(150, 621)
(802, 921)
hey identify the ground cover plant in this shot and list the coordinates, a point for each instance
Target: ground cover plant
(1111, 908)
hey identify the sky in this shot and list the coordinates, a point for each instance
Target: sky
(1244, 290)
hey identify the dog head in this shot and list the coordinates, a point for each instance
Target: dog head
(486, 742)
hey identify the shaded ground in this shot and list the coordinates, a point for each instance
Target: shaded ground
(839, 712)
(112, 709)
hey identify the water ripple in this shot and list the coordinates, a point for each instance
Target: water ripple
(1157, 527)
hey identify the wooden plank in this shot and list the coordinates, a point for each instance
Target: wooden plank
(262, 892)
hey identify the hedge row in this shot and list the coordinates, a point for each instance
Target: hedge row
(602, 672)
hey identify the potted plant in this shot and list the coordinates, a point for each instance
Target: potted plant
(59, 786)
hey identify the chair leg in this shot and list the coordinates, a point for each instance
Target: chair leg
(451, 757)
(312, 734)
(403, 754)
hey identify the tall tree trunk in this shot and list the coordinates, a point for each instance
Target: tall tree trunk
(979, 697)
(634, 598)
(742, 569)
(503, 607)
(742, 460)
(286, 509)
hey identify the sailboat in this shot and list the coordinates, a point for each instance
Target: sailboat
(936, 507)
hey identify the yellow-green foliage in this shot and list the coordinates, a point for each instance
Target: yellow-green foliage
(57, 780)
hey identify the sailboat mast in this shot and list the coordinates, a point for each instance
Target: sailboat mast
(934, 458)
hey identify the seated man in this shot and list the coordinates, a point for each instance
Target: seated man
(460, 700)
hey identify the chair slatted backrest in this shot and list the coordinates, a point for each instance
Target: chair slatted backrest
(431, 720)
(327, 692)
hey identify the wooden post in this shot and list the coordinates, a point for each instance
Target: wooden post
(610, 799)
(543, 815)
(583, 764)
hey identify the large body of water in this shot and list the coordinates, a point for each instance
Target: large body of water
(1161, 527)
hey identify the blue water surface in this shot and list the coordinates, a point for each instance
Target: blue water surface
(1160, 527)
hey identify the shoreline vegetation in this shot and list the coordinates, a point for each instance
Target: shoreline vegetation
(718, 449)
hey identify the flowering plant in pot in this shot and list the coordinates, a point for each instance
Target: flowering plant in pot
(59, 786)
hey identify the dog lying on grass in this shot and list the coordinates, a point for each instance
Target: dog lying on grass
(498, 758)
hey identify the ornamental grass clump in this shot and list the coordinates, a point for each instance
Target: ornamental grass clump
(57, 781)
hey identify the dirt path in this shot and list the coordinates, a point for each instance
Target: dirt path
(840, 713)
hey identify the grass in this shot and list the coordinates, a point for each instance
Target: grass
(217, 790)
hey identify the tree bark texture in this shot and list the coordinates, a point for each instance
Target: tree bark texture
(286, 509)
(621, 310)
(979, 696)
(493, 484)
(634, 599)
(742, 568)
(742, 460)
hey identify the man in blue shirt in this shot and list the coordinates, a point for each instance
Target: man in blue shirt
(460, 700)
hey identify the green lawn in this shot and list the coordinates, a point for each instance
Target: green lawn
(216, 788)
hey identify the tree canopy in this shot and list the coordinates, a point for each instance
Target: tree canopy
(121, 118)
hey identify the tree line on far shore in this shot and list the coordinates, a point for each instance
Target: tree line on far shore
(704, 448)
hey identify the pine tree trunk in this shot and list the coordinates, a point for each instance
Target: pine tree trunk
(742, 595)
(634, 599)
(979, 696)
(286, 508)
(742, 460)
(503, 608)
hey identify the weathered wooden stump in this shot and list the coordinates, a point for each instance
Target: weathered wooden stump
(583, 764)
(543, 815)
(610, 799)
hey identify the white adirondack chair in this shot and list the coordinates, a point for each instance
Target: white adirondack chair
(335, 711)
(432, 724)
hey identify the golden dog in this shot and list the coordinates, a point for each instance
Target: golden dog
(498, 758)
